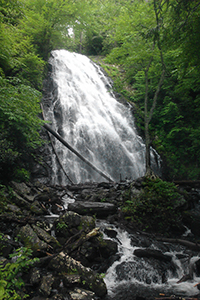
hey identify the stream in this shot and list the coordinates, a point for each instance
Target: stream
(147, 277)
(144, 277)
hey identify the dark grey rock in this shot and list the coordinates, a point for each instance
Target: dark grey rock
(151, 253)
(46, 285)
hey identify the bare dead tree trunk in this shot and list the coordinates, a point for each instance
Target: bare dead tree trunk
(148, 117)
(47, 127)
(148, 114)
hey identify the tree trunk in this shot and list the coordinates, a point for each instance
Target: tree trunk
(147, 154)
(149, 113)
(47, 127)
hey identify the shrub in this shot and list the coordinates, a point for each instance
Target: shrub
(10, 280)
(157, 207)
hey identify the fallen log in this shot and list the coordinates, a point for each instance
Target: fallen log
(190, 245)
(175, 298)
(185, 278)
(197, 284)
(48, 128)
(187, 182)
(71, 247)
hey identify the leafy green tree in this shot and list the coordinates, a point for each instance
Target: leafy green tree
(179, 124)
(139, 50)
(19, 123)
(149, 39)
(10, 12)
(46, 22)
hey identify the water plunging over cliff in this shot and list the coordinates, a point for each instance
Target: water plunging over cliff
(83, 110)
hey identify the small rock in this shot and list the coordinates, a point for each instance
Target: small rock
(46, 285)
(81, 294)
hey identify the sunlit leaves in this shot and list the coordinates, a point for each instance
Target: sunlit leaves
(46, 22)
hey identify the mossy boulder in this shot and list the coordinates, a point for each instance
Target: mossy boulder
(31, 240)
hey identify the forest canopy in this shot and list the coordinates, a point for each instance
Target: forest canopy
(137, 42)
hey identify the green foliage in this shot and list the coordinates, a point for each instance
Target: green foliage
(19, 107)
(46, 23)
(128, 33)
(155, 208)
(19, 123)
(10, 280)
(61, 226)
(134, 35)
(22, 175)
(10, 11)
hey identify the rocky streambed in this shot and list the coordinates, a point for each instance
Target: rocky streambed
(74, 252)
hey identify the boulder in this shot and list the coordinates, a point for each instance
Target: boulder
(67, 224)
(46, 285)
(23, 190)
(100, 209)
(19, 201)
(49, 197)
(31, 240)
(34, 207)
(107, 247)
(197, 267)
(110, 232)
(87, 223)
(191, 219)
(46, 237)
(70, 280)
(151, 253)
(35, 276)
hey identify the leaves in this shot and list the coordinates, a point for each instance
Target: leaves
(155, 207)
(10, 281)
(19, 122)
(19, 108)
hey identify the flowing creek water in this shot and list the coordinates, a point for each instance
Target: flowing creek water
(130, 275)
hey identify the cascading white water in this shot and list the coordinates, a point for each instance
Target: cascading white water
(86, 114)
(139, 274)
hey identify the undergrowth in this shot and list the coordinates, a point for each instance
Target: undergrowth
(156, 207)
(11, 282)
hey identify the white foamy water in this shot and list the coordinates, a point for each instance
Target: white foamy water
(137, 271)
(86, 114)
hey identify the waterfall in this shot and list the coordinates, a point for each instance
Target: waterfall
(84, 111)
